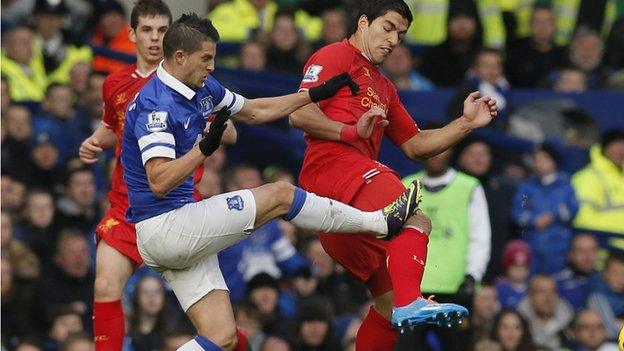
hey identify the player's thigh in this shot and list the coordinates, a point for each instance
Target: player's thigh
(379, 192)
(179, 238)
(363, 255)
(112, 271)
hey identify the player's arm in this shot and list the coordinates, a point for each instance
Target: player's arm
(103, 138)
(165, 174)
(312, 120)
(478, 112)
(263, 110)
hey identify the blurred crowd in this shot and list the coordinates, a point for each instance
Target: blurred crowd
(552, 278)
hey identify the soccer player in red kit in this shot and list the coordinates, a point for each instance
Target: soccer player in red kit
(344, 136)
(117, 255)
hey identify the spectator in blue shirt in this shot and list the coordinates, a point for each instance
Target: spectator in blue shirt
(544, 207)
(573, 281)
(61, 121)
(516, 260)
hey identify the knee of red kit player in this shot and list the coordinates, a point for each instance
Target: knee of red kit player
(421, 221)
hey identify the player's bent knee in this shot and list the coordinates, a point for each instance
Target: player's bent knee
(420, 220)
(106, 289)
(384, 304)
(284, 192)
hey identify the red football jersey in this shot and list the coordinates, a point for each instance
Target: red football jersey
(338, 169)
(120, 88)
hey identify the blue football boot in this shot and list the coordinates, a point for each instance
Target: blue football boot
(427, 312)
(401, 209)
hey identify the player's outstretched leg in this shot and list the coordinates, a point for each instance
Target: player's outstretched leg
(406, 257)
(310, 211)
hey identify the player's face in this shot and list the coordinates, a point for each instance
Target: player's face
(148, 37)
(381, 36)
(200, 64)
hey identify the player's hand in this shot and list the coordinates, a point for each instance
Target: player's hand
(89, 150)
(331, 86)
(370, 121)
(544, 221)
(211, 141)
(479, 111)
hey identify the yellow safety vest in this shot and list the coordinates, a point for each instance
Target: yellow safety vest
(430, 22)
(566, 12)
(599, 188)
(234, 20)
(522, 9)
(25, 83)
(73, 56)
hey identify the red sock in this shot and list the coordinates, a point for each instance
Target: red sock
(108, 325)
(375, 334)
(406, 257)
(243, 342)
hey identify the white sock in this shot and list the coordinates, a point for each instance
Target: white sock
(323, 214)
(191, 345)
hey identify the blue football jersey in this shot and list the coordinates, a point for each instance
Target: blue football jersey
(166, 119)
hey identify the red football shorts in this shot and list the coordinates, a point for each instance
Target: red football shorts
(362, 254)
(119, 234)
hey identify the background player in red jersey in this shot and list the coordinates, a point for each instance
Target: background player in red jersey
(344, 136)
(117, 254)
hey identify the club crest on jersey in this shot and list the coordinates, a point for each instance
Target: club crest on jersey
(157, 121)
(312, 74)
(235, 203)
(206, 106)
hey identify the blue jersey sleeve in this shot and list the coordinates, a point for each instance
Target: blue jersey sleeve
(223, 97)
(154, 132)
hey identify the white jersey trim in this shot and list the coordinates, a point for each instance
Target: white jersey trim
(158, 137)
(157, 151)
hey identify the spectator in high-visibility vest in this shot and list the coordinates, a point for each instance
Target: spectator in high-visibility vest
(572, 14)
(599, 188)
(253, 17)
(52, 45)
(24, 74)
(431, 16)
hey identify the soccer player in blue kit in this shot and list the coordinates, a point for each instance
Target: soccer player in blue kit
(164, 142)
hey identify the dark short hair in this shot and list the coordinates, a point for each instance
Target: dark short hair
(70, 173)
(54, 86)
(542, 6)
(615, 256)
(483, 52)
(377, 8)
(187, 33)
(148, 8)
